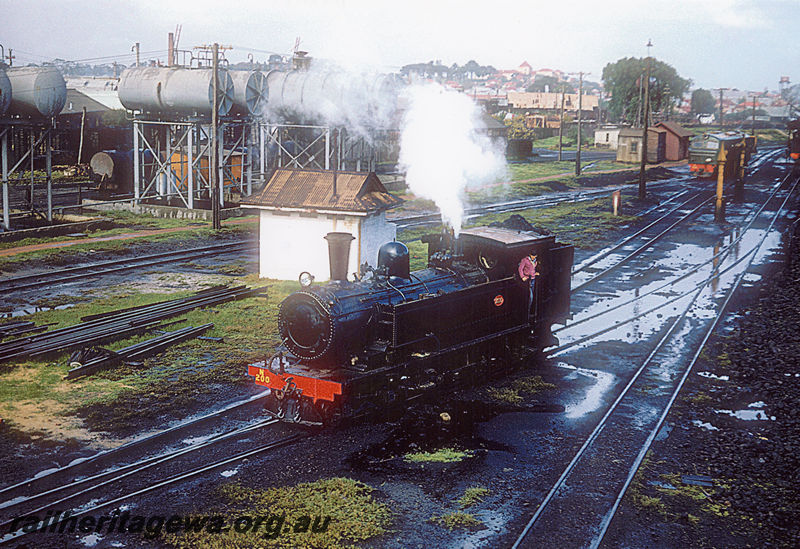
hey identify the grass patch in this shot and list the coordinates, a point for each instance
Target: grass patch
(115, 400)
(472, 495)
(65, 255)
(700, 398)
(457, 519)
(511, 395)
(354, 514)
(444, 455)
(532, 385)
(505, 394)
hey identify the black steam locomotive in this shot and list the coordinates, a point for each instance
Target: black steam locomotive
(354, 348)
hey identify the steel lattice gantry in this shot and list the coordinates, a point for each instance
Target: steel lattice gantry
(318, 147)
(174, 158)
(20, 142)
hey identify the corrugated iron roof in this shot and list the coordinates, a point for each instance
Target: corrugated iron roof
(675, 128)
(313, 190)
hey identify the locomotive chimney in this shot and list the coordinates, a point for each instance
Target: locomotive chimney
(339, 254)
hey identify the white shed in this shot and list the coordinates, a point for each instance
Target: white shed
(299, 207)
(607, 137)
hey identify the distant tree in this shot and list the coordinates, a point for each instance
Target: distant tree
(518, 130)
(703, 102)
(549, 83)
(745, 114)
(622, 81)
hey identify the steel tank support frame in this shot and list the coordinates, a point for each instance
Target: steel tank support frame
(12, 136)
(315, 147)
(174, 157)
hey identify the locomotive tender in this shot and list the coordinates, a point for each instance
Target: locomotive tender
(351, 349)
(705, 149)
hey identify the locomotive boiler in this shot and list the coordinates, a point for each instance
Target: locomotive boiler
(355, 348)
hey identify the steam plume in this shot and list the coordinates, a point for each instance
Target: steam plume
(442, 150)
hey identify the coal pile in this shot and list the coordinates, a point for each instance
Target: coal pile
(762, 359)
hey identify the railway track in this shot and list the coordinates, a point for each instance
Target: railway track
(83, 466)
(591, 487)
(91, 505)
(119, 265)
(524, 204)
(646, 239)
(714, 274)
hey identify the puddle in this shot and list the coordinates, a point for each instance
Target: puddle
(709, 375)
(91, 540)
(759, 404)
(747, 415)
(493, 522)
(229, 472)
(704, 425)
(659, 484)
(664, 432)
(197, 440)
(30, 310)
(594, 396)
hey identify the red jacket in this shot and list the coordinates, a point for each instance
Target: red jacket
(527, 268)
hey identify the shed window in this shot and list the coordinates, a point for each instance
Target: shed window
(634, 146)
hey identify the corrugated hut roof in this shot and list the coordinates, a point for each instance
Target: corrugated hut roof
(675, 128)
(313, 190)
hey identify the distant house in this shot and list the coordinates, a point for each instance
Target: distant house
(629, 148)
(606, 137)
(525, 68)
(551, 101)
(496, 130)
(299, 207)
(677, 140)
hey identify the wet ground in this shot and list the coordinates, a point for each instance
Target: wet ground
(518, 448)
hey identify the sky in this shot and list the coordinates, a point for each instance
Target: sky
(715, 43)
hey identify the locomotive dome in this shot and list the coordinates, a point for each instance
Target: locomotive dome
(394, 256)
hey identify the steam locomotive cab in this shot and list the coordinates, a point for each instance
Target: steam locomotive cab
(360, 347)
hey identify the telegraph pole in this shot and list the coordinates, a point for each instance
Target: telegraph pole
(580, 107)
(754, 115)
(214, 179)
(642, 165)
(561, 121)
(720, 108)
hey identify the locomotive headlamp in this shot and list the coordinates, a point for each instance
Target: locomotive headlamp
(306, 279)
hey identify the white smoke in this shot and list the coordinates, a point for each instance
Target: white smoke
(327, 94)
(444, 149)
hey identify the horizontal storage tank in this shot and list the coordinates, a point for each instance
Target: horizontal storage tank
(250, 92)
(36, 91)
(5, 92)
(334, 95)
(174, 89)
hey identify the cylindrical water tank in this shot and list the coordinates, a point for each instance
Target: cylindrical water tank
(36, 91)
(5, 92)
(335, 96)
(250, 92)
(174, 89)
